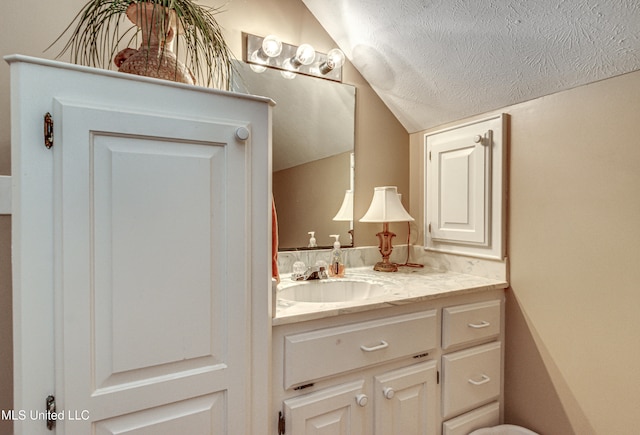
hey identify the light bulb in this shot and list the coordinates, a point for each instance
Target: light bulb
(271, 46)
(335, 59)
(304, 55)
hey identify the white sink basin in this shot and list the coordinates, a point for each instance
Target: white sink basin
(332, 290)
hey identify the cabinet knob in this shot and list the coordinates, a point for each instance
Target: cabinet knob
(362, 400)
(477, 138)
(242, 133)
(388, 393)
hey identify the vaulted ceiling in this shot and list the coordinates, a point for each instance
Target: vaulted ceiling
(435, 61)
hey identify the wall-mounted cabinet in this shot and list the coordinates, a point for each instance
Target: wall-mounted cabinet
(466, 188)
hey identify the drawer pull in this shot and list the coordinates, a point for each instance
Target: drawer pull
(484, 380)
(480, 325)
(383, 345)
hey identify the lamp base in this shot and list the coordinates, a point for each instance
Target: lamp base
(385, 267)
(386, 248)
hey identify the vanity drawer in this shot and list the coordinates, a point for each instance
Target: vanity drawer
(468, 323)
(326, 352)
(487, 416)
(471, 378)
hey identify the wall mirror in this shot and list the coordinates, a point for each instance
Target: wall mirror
(313, 153)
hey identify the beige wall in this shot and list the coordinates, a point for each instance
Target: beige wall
(573, 329)
(30, 26)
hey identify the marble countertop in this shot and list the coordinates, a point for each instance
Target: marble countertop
(406, 286)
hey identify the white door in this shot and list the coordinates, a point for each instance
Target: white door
(152, 277)
(405, 401)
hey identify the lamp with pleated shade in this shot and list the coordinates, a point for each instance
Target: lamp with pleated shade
(386, 207)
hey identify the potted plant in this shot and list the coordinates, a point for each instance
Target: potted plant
(163, 31)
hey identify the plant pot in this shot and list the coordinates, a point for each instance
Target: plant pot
(155, 57)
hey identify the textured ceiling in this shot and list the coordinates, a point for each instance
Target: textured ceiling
(435, 61)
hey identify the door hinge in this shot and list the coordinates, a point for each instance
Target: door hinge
(429, 227)
(281, 423)
(438, 377)
(51, 411)
(429, 155)
(302, 387)
(48, 130)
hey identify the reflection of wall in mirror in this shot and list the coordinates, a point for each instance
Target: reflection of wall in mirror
(307, 197)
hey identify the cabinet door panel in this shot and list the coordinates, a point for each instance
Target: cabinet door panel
(405, 401)
(460, 171)
(334, 411)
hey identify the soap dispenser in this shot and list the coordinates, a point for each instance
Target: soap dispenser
(336, 266)
(312, 240)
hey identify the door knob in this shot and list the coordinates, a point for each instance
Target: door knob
(388, 392)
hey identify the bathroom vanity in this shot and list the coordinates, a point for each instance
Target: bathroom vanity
(423, 355)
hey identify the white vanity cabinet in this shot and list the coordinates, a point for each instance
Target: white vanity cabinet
(342, 379)
(396, 370)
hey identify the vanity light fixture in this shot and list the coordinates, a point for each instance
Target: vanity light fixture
(269, 52)
(386, 207)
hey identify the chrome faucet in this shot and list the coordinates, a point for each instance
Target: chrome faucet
(313, 272)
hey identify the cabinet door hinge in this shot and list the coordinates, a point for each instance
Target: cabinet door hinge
(50, 412)
(429, 155)
(429, 227)
(281, 423)
(438, 377)
(48, 130)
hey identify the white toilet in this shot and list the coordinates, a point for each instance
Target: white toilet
(503, 429)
